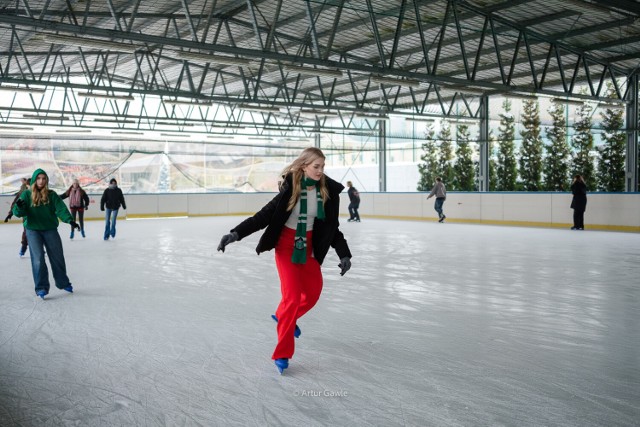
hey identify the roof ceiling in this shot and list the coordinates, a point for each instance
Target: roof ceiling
(409, 56)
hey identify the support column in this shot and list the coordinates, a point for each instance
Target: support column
(382, 155)
(483, 179)
(631, 163)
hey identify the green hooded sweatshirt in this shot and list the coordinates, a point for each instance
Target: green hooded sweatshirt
(43, 217)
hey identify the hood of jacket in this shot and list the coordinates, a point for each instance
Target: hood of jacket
(35, 175)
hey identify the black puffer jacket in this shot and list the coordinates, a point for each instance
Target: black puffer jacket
(579, 201)
(274, 215)
(112, 198)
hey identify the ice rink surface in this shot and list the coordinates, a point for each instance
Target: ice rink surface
(435, 325)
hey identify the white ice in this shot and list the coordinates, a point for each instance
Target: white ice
(435, 325)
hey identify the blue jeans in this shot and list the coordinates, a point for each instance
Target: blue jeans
(438, 207)
(38, 241)
(110, 223)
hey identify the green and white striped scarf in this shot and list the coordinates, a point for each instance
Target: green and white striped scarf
(300, 242)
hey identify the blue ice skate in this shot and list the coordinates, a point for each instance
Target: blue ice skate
(41, 294)
(82, 232)
(69, 289)
(281, 364)
(296, 333)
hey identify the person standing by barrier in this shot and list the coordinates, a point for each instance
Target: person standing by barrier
(579, 202)
(78, 203)
(41, 208)
(354, 202)
(112, 198)
(440, 192)
(301, 224)
(24, 242)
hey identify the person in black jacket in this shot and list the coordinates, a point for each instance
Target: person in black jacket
(113, 199)
(579, 202)
(78, 203)
(354, 202)
(301, 224)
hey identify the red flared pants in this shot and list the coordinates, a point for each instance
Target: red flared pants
(300, 285)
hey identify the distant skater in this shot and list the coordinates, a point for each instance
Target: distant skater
(41, 208)
(78, 203)
(579, 202)
(440, 192)
(112, 198)
(24, 242)
(354, 202)
(301, 224)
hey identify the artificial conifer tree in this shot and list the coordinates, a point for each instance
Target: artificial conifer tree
(428, 168)
(582, 142)
(531, 149)
(612, 153)
(493, 175)
(445, 154)
(556, 162)
(506, 165)
(463, 167)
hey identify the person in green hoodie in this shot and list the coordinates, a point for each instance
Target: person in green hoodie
(40, 209)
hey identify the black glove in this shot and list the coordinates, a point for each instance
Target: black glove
(226, 239)
(8, 217)
(74, 225)
(102, 209)
(86, 208)
(20, 203)
(345, 265)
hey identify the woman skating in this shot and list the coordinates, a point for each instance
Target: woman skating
(41, 208)
(301, 224)
(78, 203)
(579, 202)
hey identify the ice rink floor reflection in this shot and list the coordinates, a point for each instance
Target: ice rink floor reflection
(435, 325)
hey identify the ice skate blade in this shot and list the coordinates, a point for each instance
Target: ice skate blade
(281, 364)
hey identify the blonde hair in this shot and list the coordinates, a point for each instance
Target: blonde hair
(308, 156)
(40, 197)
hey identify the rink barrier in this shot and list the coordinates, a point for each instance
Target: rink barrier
(605, 211)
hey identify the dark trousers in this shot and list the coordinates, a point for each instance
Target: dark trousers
(578, 218)
(24, 241)
(438, 206)
(353, 211)
(80, 212)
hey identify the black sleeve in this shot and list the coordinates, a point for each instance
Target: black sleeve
(124, 205)
(85, 198)
(261, 219)
(15, 199)
(64, 195)
(339, 243)
(103, 200)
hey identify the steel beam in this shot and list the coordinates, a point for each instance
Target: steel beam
(631, 164)
(483, 178)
